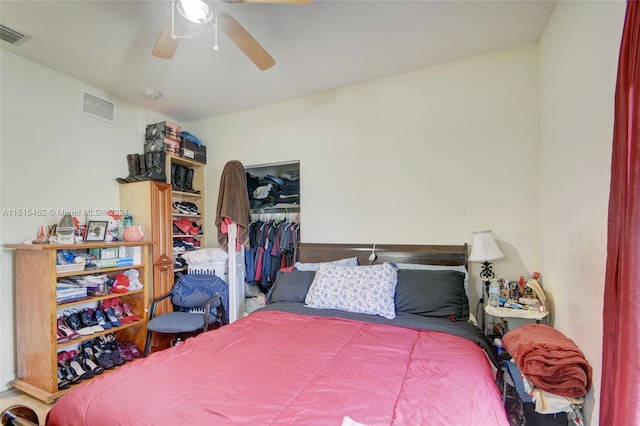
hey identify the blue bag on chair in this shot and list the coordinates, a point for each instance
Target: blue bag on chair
(193, 290)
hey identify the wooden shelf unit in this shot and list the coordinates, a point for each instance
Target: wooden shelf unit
(181, 196)
(149, 203)
(37, 313)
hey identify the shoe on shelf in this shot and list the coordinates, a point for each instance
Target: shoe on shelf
(185, 243)
(63, 382)
(102, 320)
(95, 348)
(195, 229)
(115, 356)
(111, 316)
(185, 226)
(186, 207)
(64, 329)
(128, 312)
(120, 315)
(124, 352)
(73, 375)
(76, 365)
(107, 343)
(108, 303)
(66, 371)
(73, 320)
(134, 349)
(188, 181)
(177, 205)
(89, 363)
(191, 207)
(62, 337)
(179, 262)
(87, 348)
(86, 316)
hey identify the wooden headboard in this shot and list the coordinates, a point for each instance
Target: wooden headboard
(399, 253)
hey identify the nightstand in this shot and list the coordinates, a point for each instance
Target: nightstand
(501, 312)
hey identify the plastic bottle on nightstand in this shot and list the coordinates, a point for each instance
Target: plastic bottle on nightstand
(494, 293)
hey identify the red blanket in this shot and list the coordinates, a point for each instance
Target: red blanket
(550, 360)
(277, 368)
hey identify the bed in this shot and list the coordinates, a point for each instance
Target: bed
(308, 358)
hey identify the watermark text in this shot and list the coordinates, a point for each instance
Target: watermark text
(37, 212)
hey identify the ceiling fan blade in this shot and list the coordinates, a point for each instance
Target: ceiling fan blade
(271, 1)
(245, 41)
(166, 46)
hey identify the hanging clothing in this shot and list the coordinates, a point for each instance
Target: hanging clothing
(233, 204)
(272, 247)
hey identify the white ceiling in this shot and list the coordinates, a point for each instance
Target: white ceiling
(318, 46)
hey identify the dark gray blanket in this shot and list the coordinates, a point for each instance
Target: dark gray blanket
(457, 328)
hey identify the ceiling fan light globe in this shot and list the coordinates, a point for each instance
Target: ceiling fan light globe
(195, 11)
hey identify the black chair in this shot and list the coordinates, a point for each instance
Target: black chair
(198, 300)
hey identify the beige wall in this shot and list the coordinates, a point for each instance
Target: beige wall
(424, 157)
(578, 57)
(53, 157)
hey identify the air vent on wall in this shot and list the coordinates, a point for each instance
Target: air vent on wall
(98, 107)
(12, 36)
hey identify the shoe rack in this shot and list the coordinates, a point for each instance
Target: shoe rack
(37, 312)
(191, 192)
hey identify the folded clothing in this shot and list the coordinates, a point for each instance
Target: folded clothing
(549, 359)
(206, 255)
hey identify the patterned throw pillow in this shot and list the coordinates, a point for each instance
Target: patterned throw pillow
(363, 289)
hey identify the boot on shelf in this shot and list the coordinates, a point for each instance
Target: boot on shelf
(134, 169)
(157, 166)
(143, 167)
(177, 177)
(188, 181)
(148, 166)
(173, 177)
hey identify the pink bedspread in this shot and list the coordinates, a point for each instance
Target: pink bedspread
(275, 368)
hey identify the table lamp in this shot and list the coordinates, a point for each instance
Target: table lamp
(484, 250)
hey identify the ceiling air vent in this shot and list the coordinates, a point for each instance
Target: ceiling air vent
(12, 36)
(98, 107)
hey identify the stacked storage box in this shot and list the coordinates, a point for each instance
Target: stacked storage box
(192, 151)
(168, 133)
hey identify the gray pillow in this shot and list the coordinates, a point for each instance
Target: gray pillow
(432, 293)
(290, 286)
(349, 261)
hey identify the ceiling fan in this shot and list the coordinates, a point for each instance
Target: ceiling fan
(199, 12)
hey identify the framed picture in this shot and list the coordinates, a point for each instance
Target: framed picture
(96, 230)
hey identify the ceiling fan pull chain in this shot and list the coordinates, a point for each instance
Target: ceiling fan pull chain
(215, 33)
(173, 19)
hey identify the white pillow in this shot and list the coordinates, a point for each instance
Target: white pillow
(350, 261)
(459, 268)
(363, 289)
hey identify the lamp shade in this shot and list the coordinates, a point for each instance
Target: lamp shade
(484, 248)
